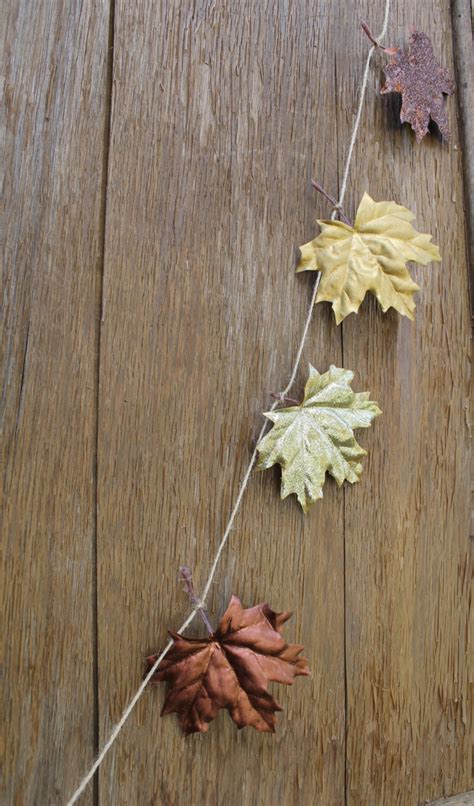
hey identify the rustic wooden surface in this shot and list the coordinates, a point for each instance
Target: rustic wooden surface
(408, 733)
(149, 314)
(463, 19)
(55, 114)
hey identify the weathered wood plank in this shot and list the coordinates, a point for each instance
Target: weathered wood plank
(55, 89)
(220, 119)
(463, 54)
(219, 116)
(407, 572)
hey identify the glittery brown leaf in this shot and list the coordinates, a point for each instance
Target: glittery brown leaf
(231, 669)
(417, 75)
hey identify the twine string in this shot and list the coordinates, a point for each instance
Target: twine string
(201, 601)
(355, 130)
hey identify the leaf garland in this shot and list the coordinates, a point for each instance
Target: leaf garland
(230, 669)
(317, 436)
(370, 256)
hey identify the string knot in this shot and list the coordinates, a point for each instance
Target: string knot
(199, 604)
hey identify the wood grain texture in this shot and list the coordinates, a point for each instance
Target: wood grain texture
(407, 549)
(151, 384)
(213, 146)
(55, 85)
(462, 19)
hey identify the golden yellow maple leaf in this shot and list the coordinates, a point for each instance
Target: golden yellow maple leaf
(370, 256)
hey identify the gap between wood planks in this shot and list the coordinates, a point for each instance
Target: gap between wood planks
(100, 310)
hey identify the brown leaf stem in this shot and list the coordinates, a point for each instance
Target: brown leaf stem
(372, 38)
(187, 578)
(368, 33)
(284, 399)
(331, 200)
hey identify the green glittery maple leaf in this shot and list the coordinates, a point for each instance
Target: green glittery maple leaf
(316, 437)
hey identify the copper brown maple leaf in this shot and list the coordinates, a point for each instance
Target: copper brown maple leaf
(230, 669)
(417, 75)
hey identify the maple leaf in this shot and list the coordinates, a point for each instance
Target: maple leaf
(417, 75)
(316, 437)
(370, 256)
(231, 669)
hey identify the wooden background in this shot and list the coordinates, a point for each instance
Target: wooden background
(158, 165)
